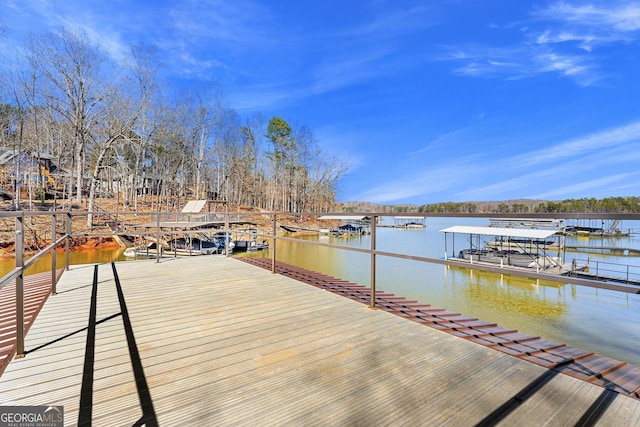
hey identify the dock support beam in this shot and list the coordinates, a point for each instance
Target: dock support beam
(372, 304)
(273, 248)
(158, 243)
(54, 276)
(20, 286)
(66, 242)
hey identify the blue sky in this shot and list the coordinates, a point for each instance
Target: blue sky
(445, 100)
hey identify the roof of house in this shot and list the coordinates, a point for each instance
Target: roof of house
(7, 154)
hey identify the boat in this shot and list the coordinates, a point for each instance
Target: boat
(513, 247)
(148, 250)
(225, 240)
(246, 241)
(191, 246)
(510, 258)
(249, 245)
(524, 245)
(595, 228)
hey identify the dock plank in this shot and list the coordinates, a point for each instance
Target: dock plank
(223, 342)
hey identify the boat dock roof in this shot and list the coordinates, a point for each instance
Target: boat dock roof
(343, 217)
(216, 341)
(189, 225)
(525, 233)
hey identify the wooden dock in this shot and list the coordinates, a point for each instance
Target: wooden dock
(216, 341)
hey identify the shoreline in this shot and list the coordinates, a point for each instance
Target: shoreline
(89, 243)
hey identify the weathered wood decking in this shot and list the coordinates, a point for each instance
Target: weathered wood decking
(221, 342)
(37, 288)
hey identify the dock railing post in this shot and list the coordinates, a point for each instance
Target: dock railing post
(227, 234)
(54, 277)
(66, 241)
(372, 303)
(272, 248)
(445, 246)
(158, 244)
(20, 286)
(627, 279)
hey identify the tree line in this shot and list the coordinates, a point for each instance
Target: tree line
(585, 205)
(117, 129)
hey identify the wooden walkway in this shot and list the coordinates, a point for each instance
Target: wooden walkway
(582, 364)
(215, 341)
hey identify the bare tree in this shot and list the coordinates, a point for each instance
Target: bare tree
(70, 68)
(136, 133)
(116, 126)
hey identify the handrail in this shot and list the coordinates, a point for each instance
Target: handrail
(44, 251)
(10, 276)
(157, 228)
(18, 270)
(21, 267)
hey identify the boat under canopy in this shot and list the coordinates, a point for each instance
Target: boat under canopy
(521, 247)
(409, 221)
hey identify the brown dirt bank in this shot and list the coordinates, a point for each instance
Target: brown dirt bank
(7, 249)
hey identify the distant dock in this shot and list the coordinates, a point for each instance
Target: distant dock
(607, 250)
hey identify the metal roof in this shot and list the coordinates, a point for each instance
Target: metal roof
(191, 225)
(194, 206)
(344, 217)
(498, 231)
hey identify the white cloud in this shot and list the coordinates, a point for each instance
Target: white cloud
(585, 41)
(336, 73)
(589, 25)
(597, 144)
(564, 46)
(593, 186)
(517, 62)
(620, 17)
(393, 22)
(608, 158)
(241, 23)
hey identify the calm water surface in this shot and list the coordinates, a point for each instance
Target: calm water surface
(90, 256)
(605, 322)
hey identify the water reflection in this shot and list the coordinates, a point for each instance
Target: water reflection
(512, 295)
(89, 256)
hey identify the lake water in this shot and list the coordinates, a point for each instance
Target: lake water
(602, 321)
(605, 322)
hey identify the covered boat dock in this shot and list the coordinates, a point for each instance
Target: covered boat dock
(409, 221)
(520, 247)
(355, 224)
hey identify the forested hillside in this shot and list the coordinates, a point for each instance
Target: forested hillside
(118, 130)
(591, 205)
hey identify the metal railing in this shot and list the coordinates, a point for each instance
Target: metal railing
(154, 224)
(21, 265)
(602, 270)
